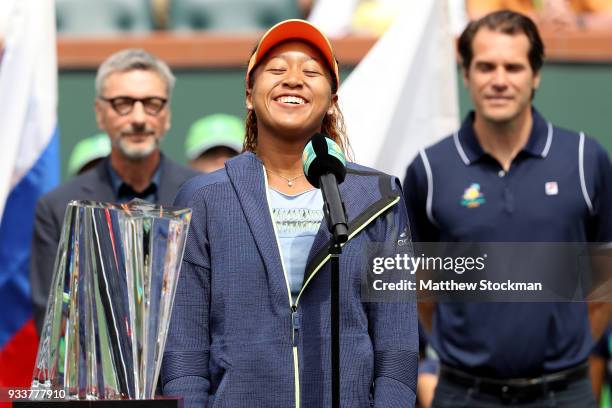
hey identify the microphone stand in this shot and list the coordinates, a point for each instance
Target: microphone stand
(335, 250)
(337, 223)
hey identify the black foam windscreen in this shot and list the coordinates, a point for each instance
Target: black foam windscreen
(324, 161)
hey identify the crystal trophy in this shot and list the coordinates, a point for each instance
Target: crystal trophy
(109, 308)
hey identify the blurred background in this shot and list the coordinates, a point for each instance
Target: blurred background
(401, 90)
(207, 43)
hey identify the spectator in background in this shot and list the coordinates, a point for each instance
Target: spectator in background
(552, 14)
(133, 89)
(305, 7)
(601, 368)
(372, 17)
(479, 8)
(509, 175)
(88, 153)
(3, 27)
(429, 368)
(212, 140)
(592, 14)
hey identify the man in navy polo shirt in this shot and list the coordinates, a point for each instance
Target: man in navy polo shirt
(509, 175)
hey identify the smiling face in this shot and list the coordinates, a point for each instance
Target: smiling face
(500, 79)
(135, 135)
(291, 92)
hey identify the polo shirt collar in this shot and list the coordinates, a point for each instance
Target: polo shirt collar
(469, 148)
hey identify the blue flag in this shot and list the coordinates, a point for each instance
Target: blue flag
(29, 166)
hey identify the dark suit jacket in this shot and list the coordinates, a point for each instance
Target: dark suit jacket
(92, 185)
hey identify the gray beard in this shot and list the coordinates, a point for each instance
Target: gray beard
(138, 153)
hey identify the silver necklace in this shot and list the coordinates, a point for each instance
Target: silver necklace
(289, 180)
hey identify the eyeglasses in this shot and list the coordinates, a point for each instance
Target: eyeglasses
(124, 105)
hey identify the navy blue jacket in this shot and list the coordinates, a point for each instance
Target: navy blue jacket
(236, 340)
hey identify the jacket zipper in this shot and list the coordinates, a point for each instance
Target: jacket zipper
(391, 203)
(295, 317)
(292, 306)
(295, 326)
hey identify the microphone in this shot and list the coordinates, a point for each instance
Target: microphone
(324, 167)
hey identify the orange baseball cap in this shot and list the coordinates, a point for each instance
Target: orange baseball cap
(295, 29)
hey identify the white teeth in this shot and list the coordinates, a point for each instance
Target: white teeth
(296, 100)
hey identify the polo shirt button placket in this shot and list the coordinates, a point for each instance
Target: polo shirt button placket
(508, 196)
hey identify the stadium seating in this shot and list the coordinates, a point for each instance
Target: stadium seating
(103, 17)
(230, 15)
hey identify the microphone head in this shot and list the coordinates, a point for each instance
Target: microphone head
(322, 155)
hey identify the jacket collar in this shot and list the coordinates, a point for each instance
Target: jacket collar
(101, 185)
(246, 174)
(171, 176)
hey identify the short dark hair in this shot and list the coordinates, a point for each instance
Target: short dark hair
(506, 22)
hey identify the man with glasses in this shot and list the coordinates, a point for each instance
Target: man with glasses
(133, 89)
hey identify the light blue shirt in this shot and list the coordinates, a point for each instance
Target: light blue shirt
(297, 219)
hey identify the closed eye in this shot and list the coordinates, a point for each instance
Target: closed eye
(485, 67)
(276, 71)
(514, 67)
(312, 73)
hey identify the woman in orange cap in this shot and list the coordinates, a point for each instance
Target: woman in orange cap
(251, 323)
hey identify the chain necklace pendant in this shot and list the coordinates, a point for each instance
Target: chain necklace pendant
(289, 180)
